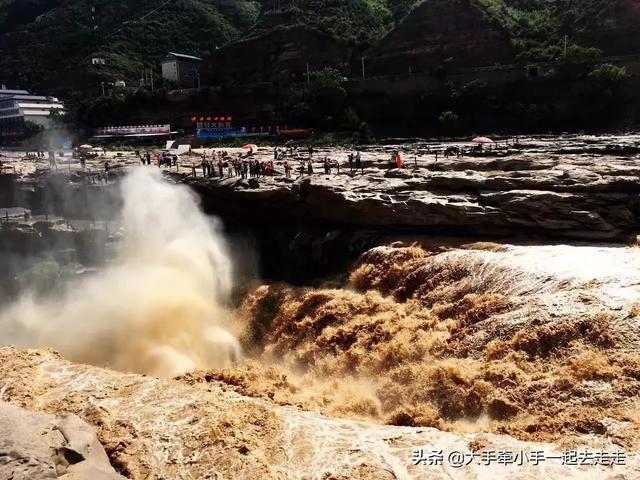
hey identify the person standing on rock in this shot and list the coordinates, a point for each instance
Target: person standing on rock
(359, 163)
(351, 163)
(309, 167)
(287, 169)
(52, 160)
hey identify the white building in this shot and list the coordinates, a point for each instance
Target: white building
(182, 69)
(18, 107)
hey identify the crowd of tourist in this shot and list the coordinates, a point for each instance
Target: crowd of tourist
(219, 163)
(299, 160)
(222, 164)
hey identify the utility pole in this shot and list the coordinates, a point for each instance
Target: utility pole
(566, 39)
(151, 72)
(362, 60)
(96, 33)
(308, 74)
(104, 94)
(93, 18)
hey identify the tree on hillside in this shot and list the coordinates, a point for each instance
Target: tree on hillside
(609, 76)
(449, 122)
(607, 96)
(322, 102)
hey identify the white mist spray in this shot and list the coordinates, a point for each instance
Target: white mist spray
(158, 309)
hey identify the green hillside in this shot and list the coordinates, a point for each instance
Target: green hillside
(47, 44)
(537, 28)
(54, 49)
(355, 21)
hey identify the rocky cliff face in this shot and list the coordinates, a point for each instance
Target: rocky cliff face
(541, 187)
(440, 34)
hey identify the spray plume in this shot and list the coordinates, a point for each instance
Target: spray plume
(158, 308)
